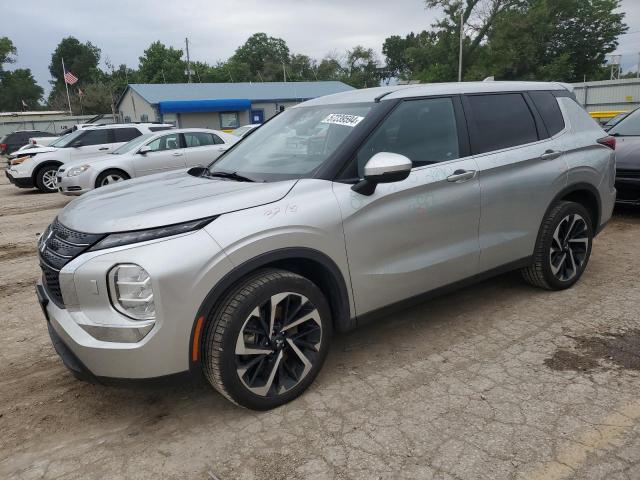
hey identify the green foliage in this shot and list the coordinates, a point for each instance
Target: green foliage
(161, 64)
(79, 58)
(264, 57)
(7, 52)
(17, 86)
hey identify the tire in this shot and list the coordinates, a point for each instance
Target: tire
(562, 249)
(46, 178)
(109, 177)
(243, 318)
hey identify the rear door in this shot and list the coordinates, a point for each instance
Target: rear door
(521, 169)
(419, 234)
(202, 148)
(167, 153)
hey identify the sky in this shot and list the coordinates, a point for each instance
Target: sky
(122, 29)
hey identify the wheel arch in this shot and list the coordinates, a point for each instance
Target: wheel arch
(310, 263)
(110, 169)
(40, 166)
(586, 195)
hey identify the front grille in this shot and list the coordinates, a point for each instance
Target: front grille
(57, 247)
(623, 173)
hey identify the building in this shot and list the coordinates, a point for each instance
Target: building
(607, 98)
(220, 106)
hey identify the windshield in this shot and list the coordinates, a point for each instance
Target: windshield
(293, 144)
(67, 140)
(133, 144)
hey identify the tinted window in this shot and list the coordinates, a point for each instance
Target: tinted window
(549, 110)
(217, 140)
(126, 134)
(425, 131)
(95, 137)
(630, 125)
(159, 129)
(501, 121)
(167, 142)
(198, 139)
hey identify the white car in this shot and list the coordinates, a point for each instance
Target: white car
(242, 131)
(38, 167)
(145, 155)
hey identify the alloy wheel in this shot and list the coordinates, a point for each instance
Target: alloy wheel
(278, 344)
(569, 247)
(112, 178)
(49, 179)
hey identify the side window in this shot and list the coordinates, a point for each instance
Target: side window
(425, 131)
(96, 137)
(217, 140)
(549, 110)
(198, 139)
(159, 129)
(166, 142)
(501, 121)
(629, 126)
(229, 120)
(126, 134)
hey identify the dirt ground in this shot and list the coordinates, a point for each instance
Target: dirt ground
(496, 381)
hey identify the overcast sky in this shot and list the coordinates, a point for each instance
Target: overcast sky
(124, 28)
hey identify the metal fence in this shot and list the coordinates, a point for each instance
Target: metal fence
(609, 95)
(56, 125)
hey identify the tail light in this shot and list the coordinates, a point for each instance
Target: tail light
(609, 141)
(3, 147)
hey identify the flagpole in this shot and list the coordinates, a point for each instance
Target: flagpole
(66, 85)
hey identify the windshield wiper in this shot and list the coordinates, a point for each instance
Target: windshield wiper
(230, 175)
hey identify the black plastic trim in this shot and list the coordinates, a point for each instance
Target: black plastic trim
(20, 182)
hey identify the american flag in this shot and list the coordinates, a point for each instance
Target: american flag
(69, 77)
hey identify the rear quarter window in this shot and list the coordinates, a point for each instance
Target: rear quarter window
(500, 121)
(549, 110)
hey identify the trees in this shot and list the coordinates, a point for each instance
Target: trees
(264, 57)
(80, 58)
(16, 86)
(162, 64)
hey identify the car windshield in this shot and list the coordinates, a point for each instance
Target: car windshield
(58, 140)
(294, 144)
(133, 144)
(67, 140)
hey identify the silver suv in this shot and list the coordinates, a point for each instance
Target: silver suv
(335, 212)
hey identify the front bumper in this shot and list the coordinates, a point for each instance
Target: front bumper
(74, 185)
(628, 188)
(109, 345)
(20, 182)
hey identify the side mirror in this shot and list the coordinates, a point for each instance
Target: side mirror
(197, 171)
(143, 150)
(383, 167)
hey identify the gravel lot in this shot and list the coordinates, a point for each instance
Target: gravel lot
(496, 381)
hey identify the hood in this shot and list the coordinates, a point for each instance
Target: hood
(32, 151)
(165, 199)
(628, 153)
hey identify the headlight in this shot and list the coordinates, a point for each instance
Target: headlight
(75, 171)
(131, 292)
(19, 160)
(136, 236)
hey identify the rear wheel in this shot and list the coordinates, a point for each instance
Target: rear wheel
(111, 176)
(563, 247)
(46, 179)
(267, 340)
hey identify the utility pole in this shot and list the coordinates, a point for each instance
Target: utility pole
(638, 71)
(461, 41)
(186, 41)
(284, 72)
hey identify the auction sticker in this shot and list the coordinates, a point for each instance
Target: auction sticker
(343, 119)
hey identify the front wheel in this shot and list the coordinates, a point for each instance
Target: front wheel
(563, 247)
(267, 340)
(111, 176)
(46, 179)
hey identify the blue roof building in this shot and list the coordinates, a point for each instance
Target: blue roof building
(221, 106)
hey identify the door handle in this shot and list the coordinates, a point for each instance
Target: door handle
(177, 154)
(460, 176)
(104, 148)
(550, 154)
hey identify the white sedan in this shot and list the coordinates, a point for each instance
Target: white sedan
(145, 155)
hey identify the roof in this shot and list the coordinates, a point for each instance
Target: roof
(430, 89)
(155, 93)
(26, 114)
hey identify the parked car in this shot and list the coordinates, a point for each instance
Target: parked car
(614, 121)
(242, 131)
(145, 155)
(40, 170)
(627, 134)
(242, 270)
(13, 141)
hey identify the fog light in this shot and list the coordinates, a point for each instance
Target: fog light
(131, 292)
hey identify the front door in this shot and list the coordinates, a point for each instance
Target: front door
(419, 234)
(93, 143)
(257, 116)
(167, 153)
